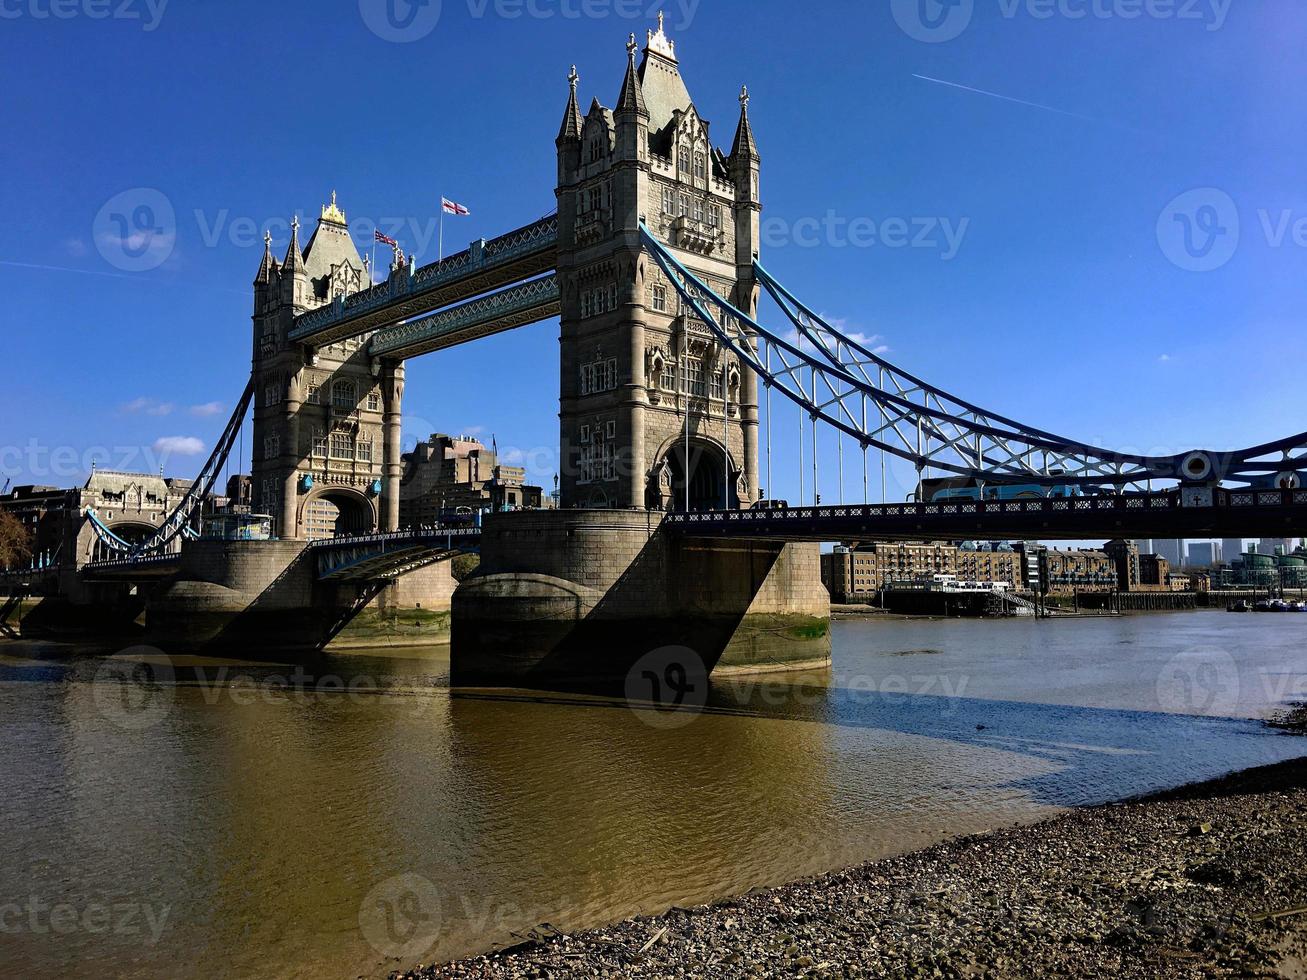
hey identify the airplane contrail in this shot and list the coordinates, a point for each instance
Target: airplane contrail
(113, 275)
(1009, 98)
(64, 268)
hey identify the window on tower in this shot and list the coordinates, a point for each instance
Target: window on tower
(660, 298)
(342, 445)
(699, 172)
(344, 394)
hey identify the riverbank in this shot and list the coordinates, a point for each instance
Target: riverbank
(1205, 880)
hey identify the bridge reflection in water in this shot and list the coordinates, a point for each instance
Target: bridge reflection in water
(263, 817)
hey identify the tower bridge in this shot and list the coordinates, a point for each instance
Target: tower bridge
(669, 376)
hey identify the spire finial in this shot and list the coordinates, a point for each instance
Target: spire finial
(332, 213)
(631, 46)
(267, 240)
(659, 42)
(573, 78)
(744, 97)
(295, 224)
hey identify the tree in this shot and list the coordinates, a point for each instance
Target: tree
(15, 541)
(465, 565)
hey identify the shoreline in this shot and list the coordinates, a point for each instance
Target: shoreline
(1207, 879)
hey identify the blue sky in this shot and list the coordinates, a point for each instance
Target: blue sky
(1053, 137)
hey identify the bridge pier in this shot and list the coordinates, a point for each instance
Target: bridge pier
(266, 597)
(578, 596)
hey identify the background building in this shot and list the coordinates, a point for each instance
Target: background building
(1171, 550)
(447, 472)
(1202, 554)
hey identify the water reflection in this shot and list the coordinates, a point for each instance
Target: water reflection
(260, 814)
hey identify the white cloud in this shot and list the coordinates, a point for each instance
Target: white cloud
(178, 445)
(207, 410)
(874, 342)
(148, 406)
(75, 247)
(1164, 358)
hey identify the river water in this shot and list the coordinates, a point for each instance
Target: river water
(162, 817)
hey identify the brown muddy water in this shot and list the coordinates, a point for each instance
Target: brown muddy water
(163, 817)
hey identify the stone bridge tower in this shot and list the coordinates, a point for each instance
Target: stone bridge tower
(326, 420)
(639, 374)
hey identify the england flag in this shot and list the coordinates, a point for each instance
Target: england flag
(450, 207)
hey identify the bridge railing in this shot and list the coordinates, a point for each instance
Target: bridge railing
(1156, 502)
(392, 537)
(507, 248)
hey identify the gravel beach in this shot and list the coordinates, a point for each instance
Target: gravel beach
(1207, 880)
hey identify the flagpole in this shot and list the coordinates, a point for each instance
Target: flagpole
(441, 256)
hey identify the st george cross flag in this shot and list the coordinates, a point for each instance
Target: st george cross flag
(449, 207)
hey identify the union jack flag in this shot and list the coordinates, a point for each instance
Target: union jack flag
(449, 207)
(385, 240)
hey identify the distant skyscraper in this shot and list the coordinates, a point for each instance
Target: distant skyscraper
(1172, 551)
(1267, 546)
(1202, 554)
(1231, 549)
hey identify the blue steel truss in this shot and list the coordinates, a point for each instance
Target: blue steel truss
(179, 522)
(525, 251)
(842, 383)
(516, 306)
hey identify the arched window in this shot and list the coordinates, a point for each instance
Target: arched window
(699, 172)
(683, 159)
(344, 394)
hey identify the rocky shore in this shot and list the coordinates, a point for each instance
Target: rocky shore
(1208, 880)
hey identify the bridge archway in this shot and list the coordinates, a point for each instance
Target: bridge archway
(335, 511)
(133, 532)
(712, 477)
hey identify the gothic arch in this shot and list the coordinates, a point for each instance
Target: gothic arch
(330, 510)
(713, 475)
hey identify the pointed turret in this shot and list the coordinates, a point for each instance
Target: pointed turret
(264, 275)
(631, 101)
(744, 148)
(294, 261)
(571, 128)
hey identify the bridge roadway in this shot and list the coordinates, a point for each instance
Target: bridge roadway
(487, 265)
(1170, 514)
(362, 558)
